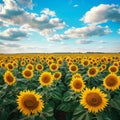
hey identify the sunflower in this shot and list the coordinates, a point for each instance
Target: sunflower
(76, 75)
(9, 78)
(73, 68)
(113, 69)
(111, 82)
(30, 67)
(10, 66)
(92, 72)
(85, 63)
(30, 102)
(39, 67)
(46, 79)
(22, 63)
(57, 75)
(94, 100)
(77, 84)
(54, 67)
(27, 73)
(59, 62)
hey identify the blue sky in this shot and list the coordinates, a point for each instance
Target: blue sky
(47, 26)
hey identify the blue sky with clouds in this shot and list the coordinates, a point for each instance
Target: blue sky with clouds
(46, 26)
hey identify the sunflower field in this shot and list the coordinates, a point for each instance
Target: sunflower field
(59, 86)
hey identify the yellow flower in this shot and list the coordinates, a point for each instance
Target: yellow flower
(9, 78)
(113, 69)
(10, 66)
(77, 84)
(94, 100)
(92, 72)
(46, 79)
(22, 63)
(53, 67)
(85, 63)
(57, 75)
(27, 73)
(111, 82)
(76, 75)
(73, 68)
(39, 67)
(30, 102)
(30, 67)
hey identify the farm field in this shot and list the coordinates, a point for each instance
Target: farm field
(59, 86)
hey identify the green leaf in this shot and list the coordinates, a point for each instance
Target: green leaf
(67, 96)
(115, 103)
(64, 107)
(56, 95)
(79, 110)
(48, 110)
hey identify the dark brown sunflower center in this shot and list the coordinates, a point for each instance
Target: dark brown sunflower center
(57, 75)
(39, 67)
(10, 66)
(60, 62)
(30, 102)
(111, 81)
(92, 71)
(93, 99)
(30, 67)
(73, 68)
(46, 79)
(9, 78)
(27, 73)
(85, 63)
(113, 69)
(54, 67)
(77, 84)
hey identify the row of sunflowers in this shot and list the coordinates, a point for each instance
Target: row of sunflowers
(60, 87)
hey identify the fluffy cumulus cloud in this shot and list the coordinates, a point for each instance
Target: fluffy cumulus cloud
(13, 34)
(83, 32)
(25, 3)
(46, 21)
(102, 13)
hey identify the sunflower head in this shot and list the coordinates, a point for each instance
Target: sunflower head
(85, 63)
(77, 84)
(54, 67)
(39, 67)
(76, 75)
(10, 66)
(30, 102)
(94, 100)
(46, 79)
(111, 82)
(22, 63)
(73, 68)
(27, 73)
(9, 78)
(30, 67)
(92, 72)
(113, 69)
(57, 75)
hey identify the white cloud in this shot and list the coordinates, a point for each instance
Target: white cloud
(13, 34)
(83, 32)
(25, 3)
(49, 12)
(46, 22)
(119, 31)
(76, 5)
(102, 14)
